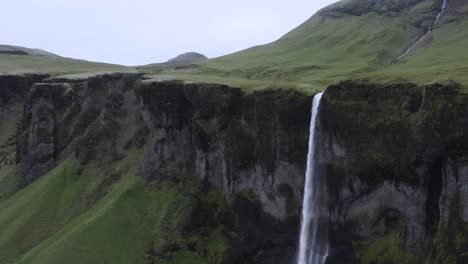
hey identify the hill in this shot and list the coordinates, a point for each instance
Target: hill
(360, 39)
(20, 60)
(124, 168)
(188, 60)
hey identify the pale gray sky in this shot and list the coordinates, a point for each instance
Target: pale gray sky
(136, 32)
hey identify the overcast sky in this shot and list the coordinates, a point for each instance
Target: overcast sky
(136, 32)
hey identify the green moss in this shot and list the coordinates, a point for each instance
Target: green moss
(250, 195)
(187, 257)
(451, 241)
(389, 248)
(189, 224)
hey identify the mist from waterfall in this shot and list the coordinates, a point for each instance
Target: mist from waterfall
(313, 242)
(429, 31)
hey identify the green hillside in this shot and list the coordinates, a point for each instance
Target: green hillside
(19, 60)
(100, 211)
(76, 215)
(359, 39)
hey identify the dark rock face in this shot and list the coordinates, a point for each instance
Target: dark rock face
(87, 114)
(255, 142)
(16, 87)
(396, 157)
(391, 153)
(13, 93)
(238, 142)
(251, 146)
(38, 146)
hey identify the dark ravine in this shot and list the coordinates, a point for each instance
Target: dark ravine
(396, 156)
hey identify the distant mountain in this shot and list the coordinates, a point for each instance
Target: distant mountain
(361, 39)
(183, 61)
(16, 50)
(14, 59)
(187, 58)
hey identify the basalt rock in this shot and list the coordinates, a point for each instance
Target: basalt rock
(395, 156)
(84, 116)
(13, 93)
(238, 142)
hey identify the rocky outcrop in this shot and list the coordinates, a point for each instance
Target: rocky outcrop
(16, 87)
(395, 155)
(13, 92)
(88, 115)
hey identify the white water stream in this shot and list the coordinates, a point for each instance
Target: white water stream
(313, 242)
(429, 31)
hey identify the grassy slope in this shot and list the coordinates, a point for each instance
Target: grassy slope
(17, 64)
(329, 48)
(69, 218)
(248, 86)
(55, 220)
(441, 57)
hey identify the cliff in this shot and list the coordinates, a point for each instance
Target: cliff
(178, 172)
(14, 89)
(396, 158)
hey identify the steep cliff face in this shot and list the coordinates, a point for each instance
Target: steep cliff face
(220, 172)
(241, 143)
(238, 159)
(255, 142)
(396, 159)
(84, 116)
(13, 92)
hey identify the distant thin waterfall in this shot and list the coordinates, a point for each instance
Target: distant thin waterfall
(313, 243)
(429, 31)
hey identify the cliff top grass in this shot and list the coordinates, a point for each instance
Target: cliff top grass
(248, 86)
(52, 64)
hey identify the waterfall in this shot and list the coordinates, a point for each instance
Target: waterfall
(313, 242)
(429, 31)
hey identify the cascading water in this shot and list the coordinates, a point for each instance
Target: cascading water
(313, 243)
(429, 31)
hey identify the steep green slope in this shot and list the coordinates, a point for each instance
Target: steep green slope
(356, 39)
(87, 214)
(31, 217)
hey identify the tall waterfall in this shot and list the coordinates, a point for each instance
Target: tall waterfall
(429, 31)
(313, 243)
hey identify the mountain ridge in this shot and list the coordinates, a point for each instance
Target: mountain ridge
(358, 39)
